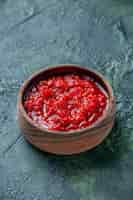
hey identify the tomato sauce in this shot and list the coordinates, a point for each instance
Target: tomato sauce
(66, 102)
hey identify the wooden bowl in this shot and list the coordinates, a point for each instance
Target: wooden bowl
(66, 142)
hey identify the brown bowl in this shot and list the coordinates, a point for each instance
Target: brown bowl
(66, 142)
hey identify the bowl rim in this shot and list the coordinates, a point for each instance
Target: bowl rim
(99, 123)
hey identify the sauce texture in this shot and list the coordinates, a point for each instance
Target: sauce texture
(66, 102)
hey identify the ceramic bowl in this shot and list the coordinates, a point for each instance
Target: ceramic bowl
(71, 142)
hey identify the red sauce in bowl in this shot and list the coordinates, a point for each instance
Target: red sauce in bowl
(66, 102)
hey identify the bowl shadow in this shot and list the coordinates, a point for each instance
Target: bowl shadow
(105, 155)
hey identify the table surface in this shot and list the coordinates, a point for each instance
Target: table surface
(37, 33)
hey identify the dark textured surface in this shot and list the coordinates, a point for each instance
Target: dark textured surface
(35, 33)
